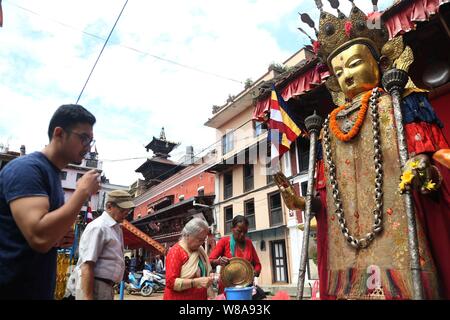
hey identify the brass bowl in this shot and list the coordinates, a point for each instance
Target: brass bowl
(239, 272)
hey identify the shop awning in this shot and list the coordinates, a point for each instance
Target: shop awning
(304, 82)
(134, 238)
(403, 16)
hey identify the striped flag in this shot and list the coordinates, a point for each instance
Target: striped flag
(89, 217)
(283, 127)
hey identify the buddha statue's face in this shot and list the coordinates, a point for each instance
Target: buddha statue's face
(356, 70)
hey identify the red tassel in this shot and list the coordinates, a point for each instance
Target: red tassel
(348, 28)
(316, 46)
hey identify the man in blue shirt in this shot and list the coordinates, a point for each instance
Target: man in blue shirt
(33, 216)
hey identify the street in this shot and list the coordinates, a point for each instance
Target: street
(154, 296)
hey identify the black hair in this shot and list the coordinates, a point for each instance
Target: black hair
(239, 219)
(69, 115)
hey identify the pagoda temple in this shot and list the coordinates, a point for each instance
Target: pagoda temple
(159, 167)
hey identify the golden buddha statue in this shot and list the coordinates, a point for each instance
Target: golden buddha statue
(363, 222)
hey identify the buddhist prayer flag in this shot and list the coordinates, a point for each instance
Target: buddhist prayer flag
(283, 128)
(89, 217)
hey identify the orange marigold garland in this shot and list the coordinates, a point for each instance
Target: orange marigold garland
(358, 123)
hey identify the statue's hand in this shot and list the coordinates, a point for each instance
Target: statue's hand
(291, 199)
(421, 175)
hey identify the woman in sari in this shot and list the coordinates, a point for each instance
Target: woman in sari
(187, 265)
(236, 245)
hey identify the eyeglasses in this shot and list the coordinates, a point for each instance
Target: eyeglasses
(85, 139)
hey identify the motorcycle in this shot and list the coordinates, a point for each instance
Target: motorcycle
(158, 281)
(140, 283)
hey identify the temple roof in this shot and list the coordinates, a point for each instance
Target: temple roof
(161, 147)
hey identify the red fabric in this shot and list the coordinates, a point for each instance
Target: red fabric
(423, 137)
(262, 108)
(320, 175)
(322, 246)
(405, 20)
(433, 211)
(176, 258)
(222, 249)
(303, 83)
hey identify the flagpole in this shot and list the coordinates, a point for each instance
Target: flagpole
(313, 125)
(394, 82)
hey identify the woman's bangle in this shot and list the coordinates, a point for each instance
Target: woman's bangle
(192, 283)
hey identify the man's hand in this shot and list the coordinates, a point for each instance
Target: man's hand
(87, 280)
(89, 182)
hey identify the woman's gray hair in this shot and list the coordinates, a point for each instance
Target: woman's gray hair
(194, 226)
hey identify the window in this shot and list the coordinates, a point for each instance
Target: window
(228, 215)
(303, 154)
(63, 175)
(227, 142)
(287, 164)
(249, 213)
(279, 263)
(275, 211)
(91, 163)
(304, 187)
(248, 177)
(260, 128)
(228, 185)
(79, 175)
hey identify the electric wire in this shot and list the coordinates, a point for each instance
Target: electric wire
(101, 51)
(139, 51)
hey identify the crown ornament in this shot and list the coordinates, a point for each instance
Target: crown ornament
(335, 33)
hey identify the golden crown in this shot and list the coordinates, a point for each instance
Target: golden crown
(339, 32)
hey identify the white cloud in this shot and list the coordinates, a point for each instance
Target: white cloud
(132, 94)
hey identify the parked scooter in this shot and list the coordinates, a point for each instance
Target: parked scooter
(158, 281)
(140, 283)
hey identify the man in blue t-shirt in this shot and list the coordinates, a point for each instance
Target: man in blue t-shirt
(33, 217)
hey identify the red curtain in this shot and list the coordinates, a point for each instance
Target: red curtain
(301, 84)
(416, 11)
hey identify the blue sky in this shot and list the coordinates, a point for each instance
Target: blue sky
(46, 56)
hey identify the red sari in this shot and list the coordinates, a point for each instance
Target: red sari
(175, 259)
(222, 249)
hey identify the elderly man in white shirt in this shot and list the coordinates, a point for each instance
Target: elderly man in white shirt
(101, 261)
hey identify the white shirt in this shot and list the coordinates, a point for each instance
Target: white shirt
(102, 243)
(159, 266)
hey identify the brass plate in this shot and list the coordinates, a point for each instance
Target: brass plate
(239, 272)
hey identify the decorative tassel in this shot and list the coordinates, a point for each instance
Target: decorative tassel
(335, 5)
(375, 6)
(319, 5)
(340, 14)
(307, 20)
(399, 289)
